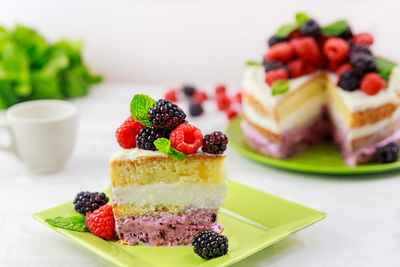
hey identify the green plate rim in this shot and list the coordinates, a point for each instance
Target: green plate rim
(293, 166)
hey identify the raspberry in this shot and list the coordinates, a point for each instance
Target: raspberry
(231, 113)
(188, 90)
(87, 201)
(101, 222)
(299, 67)
(388, 153)
(186, 138)
(220, 89)
(208, 244)
(295, 34)
(275, 75)
(307, 49)
(171, 95)
(342, 69)
(372, 83)
(195, 109)
(282, 52)
(215, 143)
(336, 49)
(223, 102)
(147, 136)
(165, 115)
(363, 39)
(362, 62)
(237, 97)
(276, 40)
(126, 133)
(350, 80)
(310, 28)
(200, 96)
(273, 65)
(347, 34)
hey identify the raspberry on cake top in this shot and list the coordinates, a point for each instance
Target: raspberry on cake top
(164, 191)
(316, 81)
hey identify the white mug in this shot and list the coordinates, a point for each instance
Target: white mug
(42, 133)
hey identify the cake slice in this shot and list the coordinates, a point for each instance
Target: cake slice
(160, 201)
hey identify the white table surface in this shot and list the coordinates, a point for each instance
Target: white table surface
(362, 227)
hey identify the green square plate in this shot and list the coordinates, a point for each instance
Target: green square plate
(320, 158)
(252, 219)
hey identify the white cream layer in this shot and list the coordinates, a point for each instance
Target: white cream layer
(135, 153)
(175, 194)
(254, 84)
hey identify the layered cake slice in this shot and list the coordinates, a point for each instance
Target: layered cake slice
(322, 84)
(165, 191)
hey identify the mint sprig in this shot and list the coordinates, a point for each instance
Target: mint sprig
(301, 17)
(74, 223)
(384, 67)
(253, 63)
(287, 29)
(280, 87)
(140, 104)
(335, 29)
(164, 146)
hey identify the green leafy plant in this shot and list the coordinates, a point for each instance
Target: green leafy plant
(32, 68)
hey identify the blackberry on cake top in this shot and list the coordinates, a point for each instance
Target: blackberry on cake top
(166, 115)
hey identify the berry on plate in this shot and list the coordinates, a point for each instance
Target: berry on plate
(101, 222)
(223, 102)
(363, 39)
(87, 201)
(388, 153)
(208, 244)
(165, 115)
(215, 143)
(200, 96)
(220, 89)
(282, 52)
(231, 113)
(372, 83)
(186, 138)
(188, 90)
(126, 133)
(171, 95)
(237, 98)
(336, 49)
(275, 75)
(307, 49)
(195, 109)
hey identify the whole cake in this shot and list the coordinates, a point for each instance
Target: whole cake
(318, 83)
(164, 191)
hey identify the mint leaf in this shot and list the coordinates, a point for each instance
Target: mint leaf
(164, 146)
(285, 30)
(74, 223)
(280, 87)
(253, 63)
(301, 17)
(335, 28)
(384, 67)
(139, 106)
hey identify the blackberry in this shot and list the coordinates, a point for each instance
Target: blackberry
(188, 90)
(350, 80)
(347, 34)
(215, 143)
(195, 109)
(363, 49)
(388, 153)
(165, 115)
(272, 65)
(146, 137)
(362, 62)
(208, 244)
(87, 201)
(276, 40)
(310, 28)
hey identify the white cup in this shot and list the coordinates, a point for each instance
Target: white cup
(42, 133)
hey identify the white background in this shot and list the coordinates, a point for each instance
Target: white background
(145, 46)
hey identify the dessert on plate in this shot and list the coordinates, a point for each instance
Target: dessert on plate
(164, 191)
(318, 83)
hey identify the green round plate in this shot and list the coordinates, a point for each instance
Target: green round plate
(320, 158)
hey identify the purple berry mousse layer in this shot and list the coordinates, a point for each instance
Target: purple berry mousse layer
(166, 229)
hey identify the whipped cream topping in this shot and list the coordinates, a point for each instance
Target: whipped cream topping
(174, 194)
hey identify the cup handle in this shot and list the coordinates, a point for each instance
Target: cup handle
(10, 147)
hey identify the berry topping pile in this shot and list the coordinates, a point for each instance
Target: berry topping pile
(208, 244)
(388, 153)
(86, 201)
(304, 47)
(162, 125)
